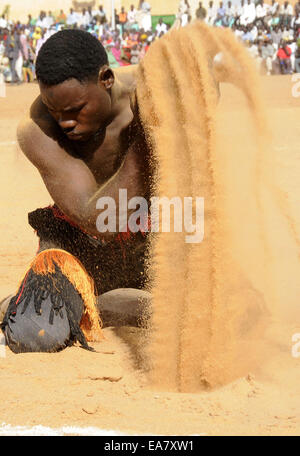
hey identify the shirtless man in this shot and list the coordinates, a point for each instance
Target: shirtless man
(85, 138)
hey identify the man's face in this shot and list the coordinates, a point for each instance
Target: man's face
(80, 109)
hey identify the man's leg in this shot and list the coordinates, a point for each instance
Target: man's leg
(125, 307)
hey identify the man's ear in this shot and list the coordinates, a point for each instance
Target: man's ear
(106, 77)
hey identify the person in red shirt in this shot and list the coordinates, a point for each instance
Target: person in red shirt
(284, 58)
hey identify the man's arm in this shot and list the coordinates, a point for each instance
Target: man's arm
(71, 183)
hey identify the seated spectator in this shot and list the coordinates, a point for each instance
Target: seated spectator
(267, 52)
(247, 35)
(261, 12)
(296, 23)
(72, 18)
(230, 14)
(284, 58)
(286, 13)
(200, 12)
(161, 27)
(61, 18)
(240, 10)
(49, 20)
(249, 13)
(135, 55)
(211, 13)
(221, 11)
(117, 52)
(112, 61)
(297, 58)
(274, 8)
(276, 36)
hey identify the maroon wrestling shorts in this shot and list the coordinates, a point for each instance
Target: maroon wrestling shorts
(117, 263)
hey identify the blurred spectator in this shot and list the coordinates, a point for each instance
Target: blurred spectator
(3, 22)
(131, 16)
(276, 36)
(286, 13)
(85, 18)
(48, 20)
(284, 58)
(269, 31)
(72, 18)
(122, 19)
(249, 13)
(117, 52)
(161, 27)
(102, 15)
(260, 12)
(297, 59)
(267, 54)
(230, 14)
(61, 18)
(145, 12)
(135, 55)
(200, 12)
(211, 13)
(14, 52)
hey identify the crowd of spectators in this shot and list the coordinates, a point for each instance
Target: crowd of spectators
(270, 31)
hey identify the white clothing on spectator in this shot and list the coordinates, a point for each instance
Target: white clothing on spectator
(131, 16)
(145, 7)
(230, 11)
(19, 67)
(261, 11)
(273, 8)
(249, 14)
(161, 28)
(287, 11)
(85, 19)
(72, 18)
(3, 22)
(211, 15)
(48, 21)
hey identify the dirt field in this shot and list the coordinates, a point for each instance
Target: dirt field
(108, 389)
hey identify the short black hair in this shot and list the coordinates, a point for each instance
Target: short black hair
(70, 54)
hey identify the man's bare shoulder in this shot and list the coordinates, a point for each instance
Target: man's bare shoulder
(36, 132)
(35, 127)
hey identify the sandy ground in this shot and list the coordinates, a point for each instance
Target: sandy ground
(109, 390)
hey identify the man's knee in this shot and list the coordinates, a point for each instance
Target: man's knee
(125, 307)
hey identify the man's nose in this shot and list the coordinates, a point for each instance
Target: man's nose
(67, 124)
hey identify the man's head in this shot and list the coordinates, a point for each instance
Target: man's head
(75, 82)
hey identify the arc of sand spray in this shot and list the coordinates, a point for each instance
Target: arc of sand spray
(179, 142)
(177, 97)
(168, 249)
